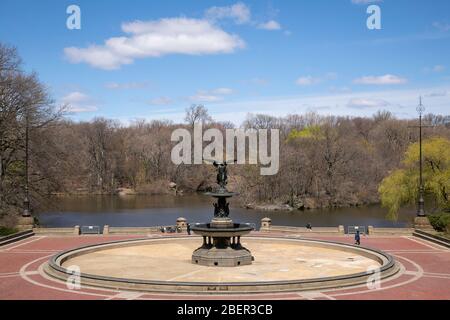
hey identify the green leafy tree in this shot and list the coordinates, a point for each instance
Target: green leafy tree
(400, 187)
(313, 131)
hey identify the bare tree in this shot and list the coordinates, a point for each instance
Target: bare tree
(24, 103)
(197, 114)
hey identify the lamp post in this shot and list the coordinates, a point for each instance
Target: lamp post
(421, 222)
(26, 202)
(421, 204)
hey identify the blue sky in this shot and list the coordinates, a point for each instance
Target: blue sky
(152, 59)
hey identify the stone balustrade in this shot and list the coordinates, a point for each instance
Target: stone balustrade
(266, 227)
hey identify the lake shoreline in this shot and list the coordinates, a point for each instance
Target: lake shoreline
(305, 204)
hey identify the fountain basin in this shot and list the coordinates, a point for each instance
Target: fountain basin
(281, 265)
(222, 244)
(210, 230)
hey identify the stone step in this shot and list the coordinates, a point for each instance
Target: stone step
(16, 237)
(432, 238)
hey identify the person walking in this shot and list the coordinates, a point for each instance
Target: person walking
(188, 228)
(357, 238)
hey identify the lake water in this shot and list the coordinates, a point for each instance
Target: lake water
(140, 211)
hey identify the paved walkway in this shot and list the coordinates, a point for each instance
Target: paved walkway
(425, 272)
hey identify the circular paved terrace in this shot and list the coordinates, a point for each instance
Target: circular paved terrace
(164, 265)
(424, 272)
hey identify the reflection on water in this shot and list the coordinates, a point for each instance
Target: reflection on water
(135, 211)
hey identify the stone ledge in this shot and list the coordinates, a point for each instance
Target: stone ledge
(372, 231)
(389, 231)
(131, 230)
(303, 230)
(55, 231)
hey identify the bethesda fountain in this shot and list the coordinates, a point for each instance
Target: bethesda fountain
(173, 265)
(222, 237)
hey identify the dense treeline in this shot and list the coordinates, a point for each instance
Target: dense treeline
(335, 161)
(324, 160)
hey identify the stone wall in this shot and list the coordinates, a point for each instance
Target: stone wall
(266, 227)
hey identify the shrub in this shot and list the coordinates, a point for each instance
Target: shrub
(4, 231)
(440, 222)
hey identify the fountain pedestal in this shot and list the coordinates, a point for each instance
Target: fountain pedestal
(222, 237)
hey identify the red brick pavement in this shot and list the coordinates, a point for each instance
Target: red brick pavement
(425, 274)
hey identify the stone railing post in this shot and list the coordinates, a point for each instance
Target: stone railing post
(370, 230)
(422, 223)
(341, 229)
(106, 229)
(266, 223)
(76, 230)
(181, 224)
(25, 223)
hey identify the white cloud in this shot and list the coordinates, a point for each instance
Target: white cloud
(310, 80)
(344, 89)
(331, 76)
(126, 85)
(307, 81)
(223, 91)
(155, 39)
(401, 102)
(387, 79)
(436, 94)
(161, 101)
(362, 103)
(397, 101)
(205, 97)
(442, 26)
(270, 25)
(437, 68)
(239, 12)
(214, 95)
(78, 102)
(259, 81)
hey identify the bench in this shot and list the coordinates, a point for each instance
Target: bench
(353, 229)
(90, 230)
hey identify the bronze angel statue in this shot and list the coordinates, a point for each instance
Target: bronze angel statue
(222, 171)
